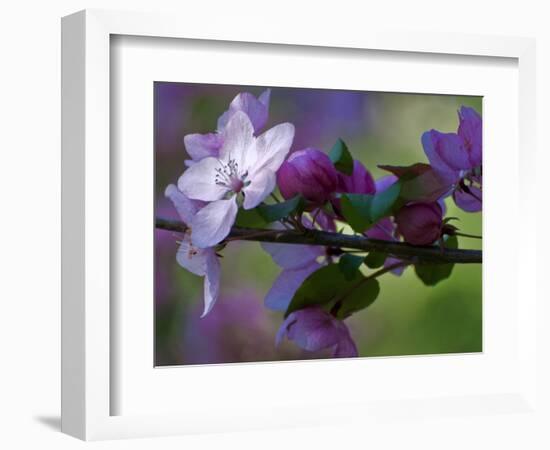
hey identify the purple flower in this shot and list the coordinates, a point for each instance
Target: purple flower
(420, 223)
(255, 108)
(308, 172)
(457, 158)
(199, 261)
(246, 165)
(314, 329)
(359, 182)
(201, 146)
(298, 262)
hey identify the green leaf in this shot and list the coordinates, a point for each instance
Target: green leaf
(250, 218)
(362, 210)
(431, 274)
(375, 260)
(349, 265)
(356, 210)
(359, 298)
(341, 157)
(321, 288)
(383, 202)
(276, 211)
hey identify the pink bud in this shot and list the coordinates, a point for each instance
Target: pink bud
(308, 172)
(359, 182)
(420, 223)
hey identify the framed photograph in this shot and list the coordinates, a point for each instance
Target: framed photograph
(267, 228)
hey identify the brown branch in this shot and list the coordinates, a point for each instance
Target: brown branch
(413, 253)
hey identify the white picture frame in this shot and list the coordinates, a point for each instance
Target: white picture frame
(87, 325)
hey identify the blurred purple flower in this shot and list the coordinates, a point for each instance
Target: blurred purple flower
(245, 164)
(201, 146)
(238, 329)
(314, 329)
(199, 261)
(457, 158)
(320, 114)
(420, 223)
(308, 172)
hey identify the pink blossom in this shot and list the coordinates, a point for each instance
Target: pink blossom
(246, 165)
(199, 261)
(201, 146)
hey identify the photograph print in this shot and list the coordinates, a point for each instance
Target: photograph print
(306, 224)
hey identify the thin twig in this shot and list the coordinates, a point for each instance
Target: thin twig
(420, 254)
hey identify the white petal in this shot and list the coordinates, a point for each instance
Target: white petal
(198, 182)
(239, 140)
(185, 207)
(211, 281)
(292, 256)
(191, 258)
(213, 222)
(201, 146)
(259, 188)
(272, 147)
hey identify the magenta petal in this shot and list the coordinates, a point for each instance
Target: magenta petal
(285, 286)
(470, 131)
(419, 223)
(468, 202)
(314, 329)
(308, 172)
(383, 230)
(346, 347)
(446, 153)
(324, 220)
(359, 182)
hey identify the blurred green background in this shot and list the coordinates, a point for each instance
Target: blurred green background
(380, 128)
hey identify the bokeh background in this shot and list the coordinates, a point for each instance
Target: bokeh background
(408, 318)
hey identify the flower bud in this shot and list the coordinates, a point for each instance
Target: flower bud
(308, 172)
(359, 182)
(420, 223)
